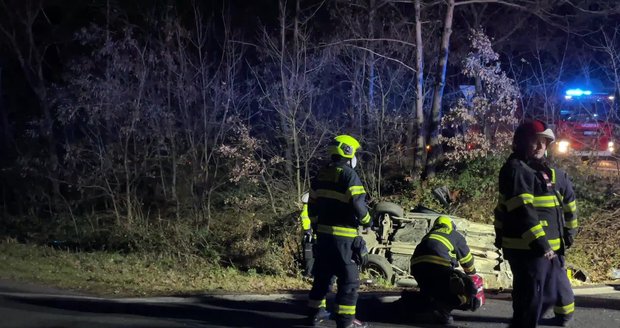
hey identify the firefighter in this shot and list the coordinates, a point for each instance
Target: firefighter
(433, 266)
(530, 227)
(337, 207)
(307, 243)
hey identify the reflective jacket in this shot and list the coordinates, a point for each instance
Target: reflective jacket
(337, 203)
(446, 247)
(529, 216)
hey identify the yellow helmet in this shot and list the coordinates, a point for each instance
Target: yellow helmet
(344, 146)
(445, 221)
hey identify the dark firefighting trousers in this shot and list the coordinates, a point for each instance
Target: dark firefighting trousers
(565, 304)
(534, 288)
(435, 285)
(333, 257)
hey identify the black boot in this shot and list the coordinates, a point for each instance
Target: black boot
(563, 320)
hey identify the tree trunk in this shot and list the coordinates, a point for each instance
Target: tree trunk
(286, 103)
(440, 82)
(418, 150)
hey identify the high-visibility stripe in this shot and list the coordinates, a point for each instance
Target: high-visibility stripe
(469, 269)
(555, 244)
(431, 259)
(570, 207)
(546, 201)
(572, 224)
(553, 176)
(566, 309)
(356, 190)
(365, 219)
(534, 232)
(442, 240)
(466, 259)
(518, 201)
(337, 231)
(317, 304)
(345, 309)
(544, 223)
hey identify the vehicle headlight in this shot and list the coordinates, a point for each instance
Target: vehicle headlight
(563, 146)
(610, 146)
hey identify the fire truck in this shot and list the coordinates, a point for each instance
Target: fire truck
(586, 125)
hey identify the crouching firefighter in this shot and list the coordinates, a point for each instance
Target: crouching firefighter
(433, 266)
(337, 203)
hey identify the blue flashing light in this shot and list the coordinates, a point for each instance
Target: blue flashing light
(578, 92)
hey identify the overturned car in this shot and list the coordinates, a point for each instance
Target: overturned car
(396, 233)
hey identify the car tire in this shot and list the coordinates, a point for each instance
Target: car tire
(389, 208)
(379, 267)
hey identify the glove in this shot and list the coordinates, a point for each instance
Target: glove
(360, 252)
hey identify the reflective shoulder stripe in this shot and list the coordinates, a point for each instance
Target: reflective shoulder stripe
(517, 201)
(442, 240)
(553, 176)
(431, 259)
(325, 193)
(544, 223)
(572, 224)
(337, 231)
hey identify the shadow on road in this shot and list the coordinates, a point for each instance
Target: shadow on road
(212, 311)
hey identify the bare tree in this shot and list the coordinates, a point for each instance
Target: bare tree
(19, 21)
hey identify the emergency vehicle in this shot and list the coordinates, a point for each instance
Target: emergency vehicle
(586, 124)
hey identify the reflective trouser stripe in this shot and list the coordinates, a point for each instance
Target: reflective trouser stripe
(345, 309)
(566, 309)
(317, 304)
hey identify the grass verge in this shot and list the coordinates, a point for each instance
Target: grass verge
(114, 274)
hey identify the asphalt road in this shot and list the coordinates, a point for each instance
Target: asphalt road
(32, 306)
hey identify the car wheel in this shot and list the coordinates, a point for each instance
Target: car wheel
(389, 208)
(379, 267)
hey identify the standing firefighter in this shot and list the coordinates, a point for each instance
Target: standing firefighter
(307, 243)
(337, 201)
(433, 266)
(531, 229)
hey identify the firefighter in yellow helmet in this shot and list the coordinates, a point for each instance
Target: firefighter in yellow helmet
(337, 205)
(433, 265)
(307, 243)
(535, 222)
